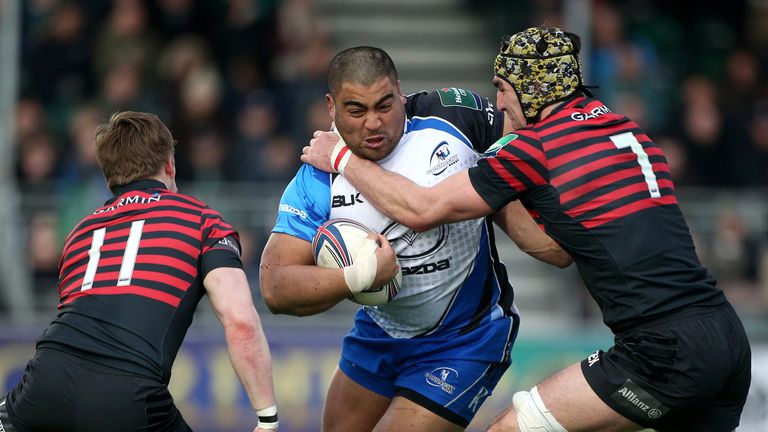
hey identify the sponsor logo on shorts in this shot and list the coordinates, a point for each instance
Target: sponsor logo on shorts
(593, 358)
(440, 377)
(633, 397)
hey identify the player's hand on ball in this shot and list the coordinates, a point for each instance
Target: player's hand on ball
(386, 261)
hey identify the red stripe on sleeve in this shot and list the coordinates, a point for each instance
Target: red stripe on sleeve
(505, 175)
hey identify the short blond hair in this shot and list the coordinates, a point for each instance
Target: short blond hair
(132, 146)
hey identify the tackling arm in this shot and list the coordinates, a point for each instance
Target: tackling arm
(231, 299)
(523, 230)
(420, 208)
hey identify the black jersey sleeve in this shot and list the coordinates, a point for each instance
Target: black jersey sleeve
(221, 244)
(510, 169)
(475, 116)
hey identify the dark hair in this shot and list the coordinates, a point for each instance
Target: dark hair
(132, 146)
(360, 65)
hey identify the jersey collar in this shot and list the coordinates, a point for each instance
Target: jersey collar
(136, 185)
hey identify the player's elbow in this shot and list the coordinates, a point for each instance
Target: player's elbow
(241, 323)
(269, 292)
(240, 331)
(272, 299)
(277, 302)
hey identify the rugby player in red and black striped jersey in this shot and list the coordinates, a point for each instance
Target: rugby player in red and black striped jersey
(601, 187)
(130, 278)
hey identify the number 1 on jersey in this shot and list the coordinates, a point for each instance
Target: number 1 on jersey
(628, 139)
(129, 256)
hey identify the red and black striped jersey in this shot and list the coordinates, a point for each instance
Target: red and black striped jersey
(602, 188)
(130, 277)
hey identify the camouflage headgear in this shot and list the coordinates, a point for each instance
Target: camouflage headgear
(542, 65)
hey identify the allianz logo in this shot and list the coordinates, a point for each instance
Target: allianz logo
(634, 400)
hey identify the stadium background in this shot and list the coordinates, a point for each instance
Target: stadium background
(241, 84)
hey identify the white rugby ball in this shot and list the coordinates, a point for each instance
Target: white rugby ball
(335, 245)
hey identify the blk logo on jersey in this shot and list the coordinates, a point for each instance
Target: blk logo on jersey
(346, 200)
(440, 377)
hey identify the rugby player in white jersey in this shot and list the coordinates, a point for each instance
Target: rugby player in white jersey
(427, 360)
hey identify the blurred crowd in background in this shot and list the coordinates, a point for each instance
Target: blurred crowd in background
(241, 84)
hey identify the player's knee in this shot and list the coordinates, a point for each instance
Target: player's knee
(532, 415)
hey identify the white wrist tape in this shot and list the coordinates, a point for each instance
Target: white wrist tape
(340, 155)
(361, 274)
(267, 418)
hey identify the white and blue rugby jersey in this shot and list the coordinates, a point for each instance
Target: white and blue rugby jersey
(452, 279)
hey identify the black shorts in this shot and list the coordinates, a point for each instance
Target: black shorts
(63, 392)
(689, 371)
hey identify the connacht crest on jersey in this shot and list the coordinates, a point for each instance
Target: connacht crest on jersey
(493, 150)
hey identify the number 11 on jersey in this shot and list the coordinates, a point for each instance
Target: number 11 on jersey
(129, 256)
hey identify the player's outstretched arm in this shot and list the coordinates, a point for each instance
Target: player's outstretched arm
(231, 299)
(515, 220)
(420, 208)
(290, 281)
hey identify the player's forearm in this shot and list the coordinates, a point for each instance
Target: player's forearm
(515, 220)
(554, 255)
(394, 195)
(251, 359)
(302, 290)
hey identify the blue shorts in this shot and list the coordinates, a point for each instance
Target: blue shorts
(444, 375)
